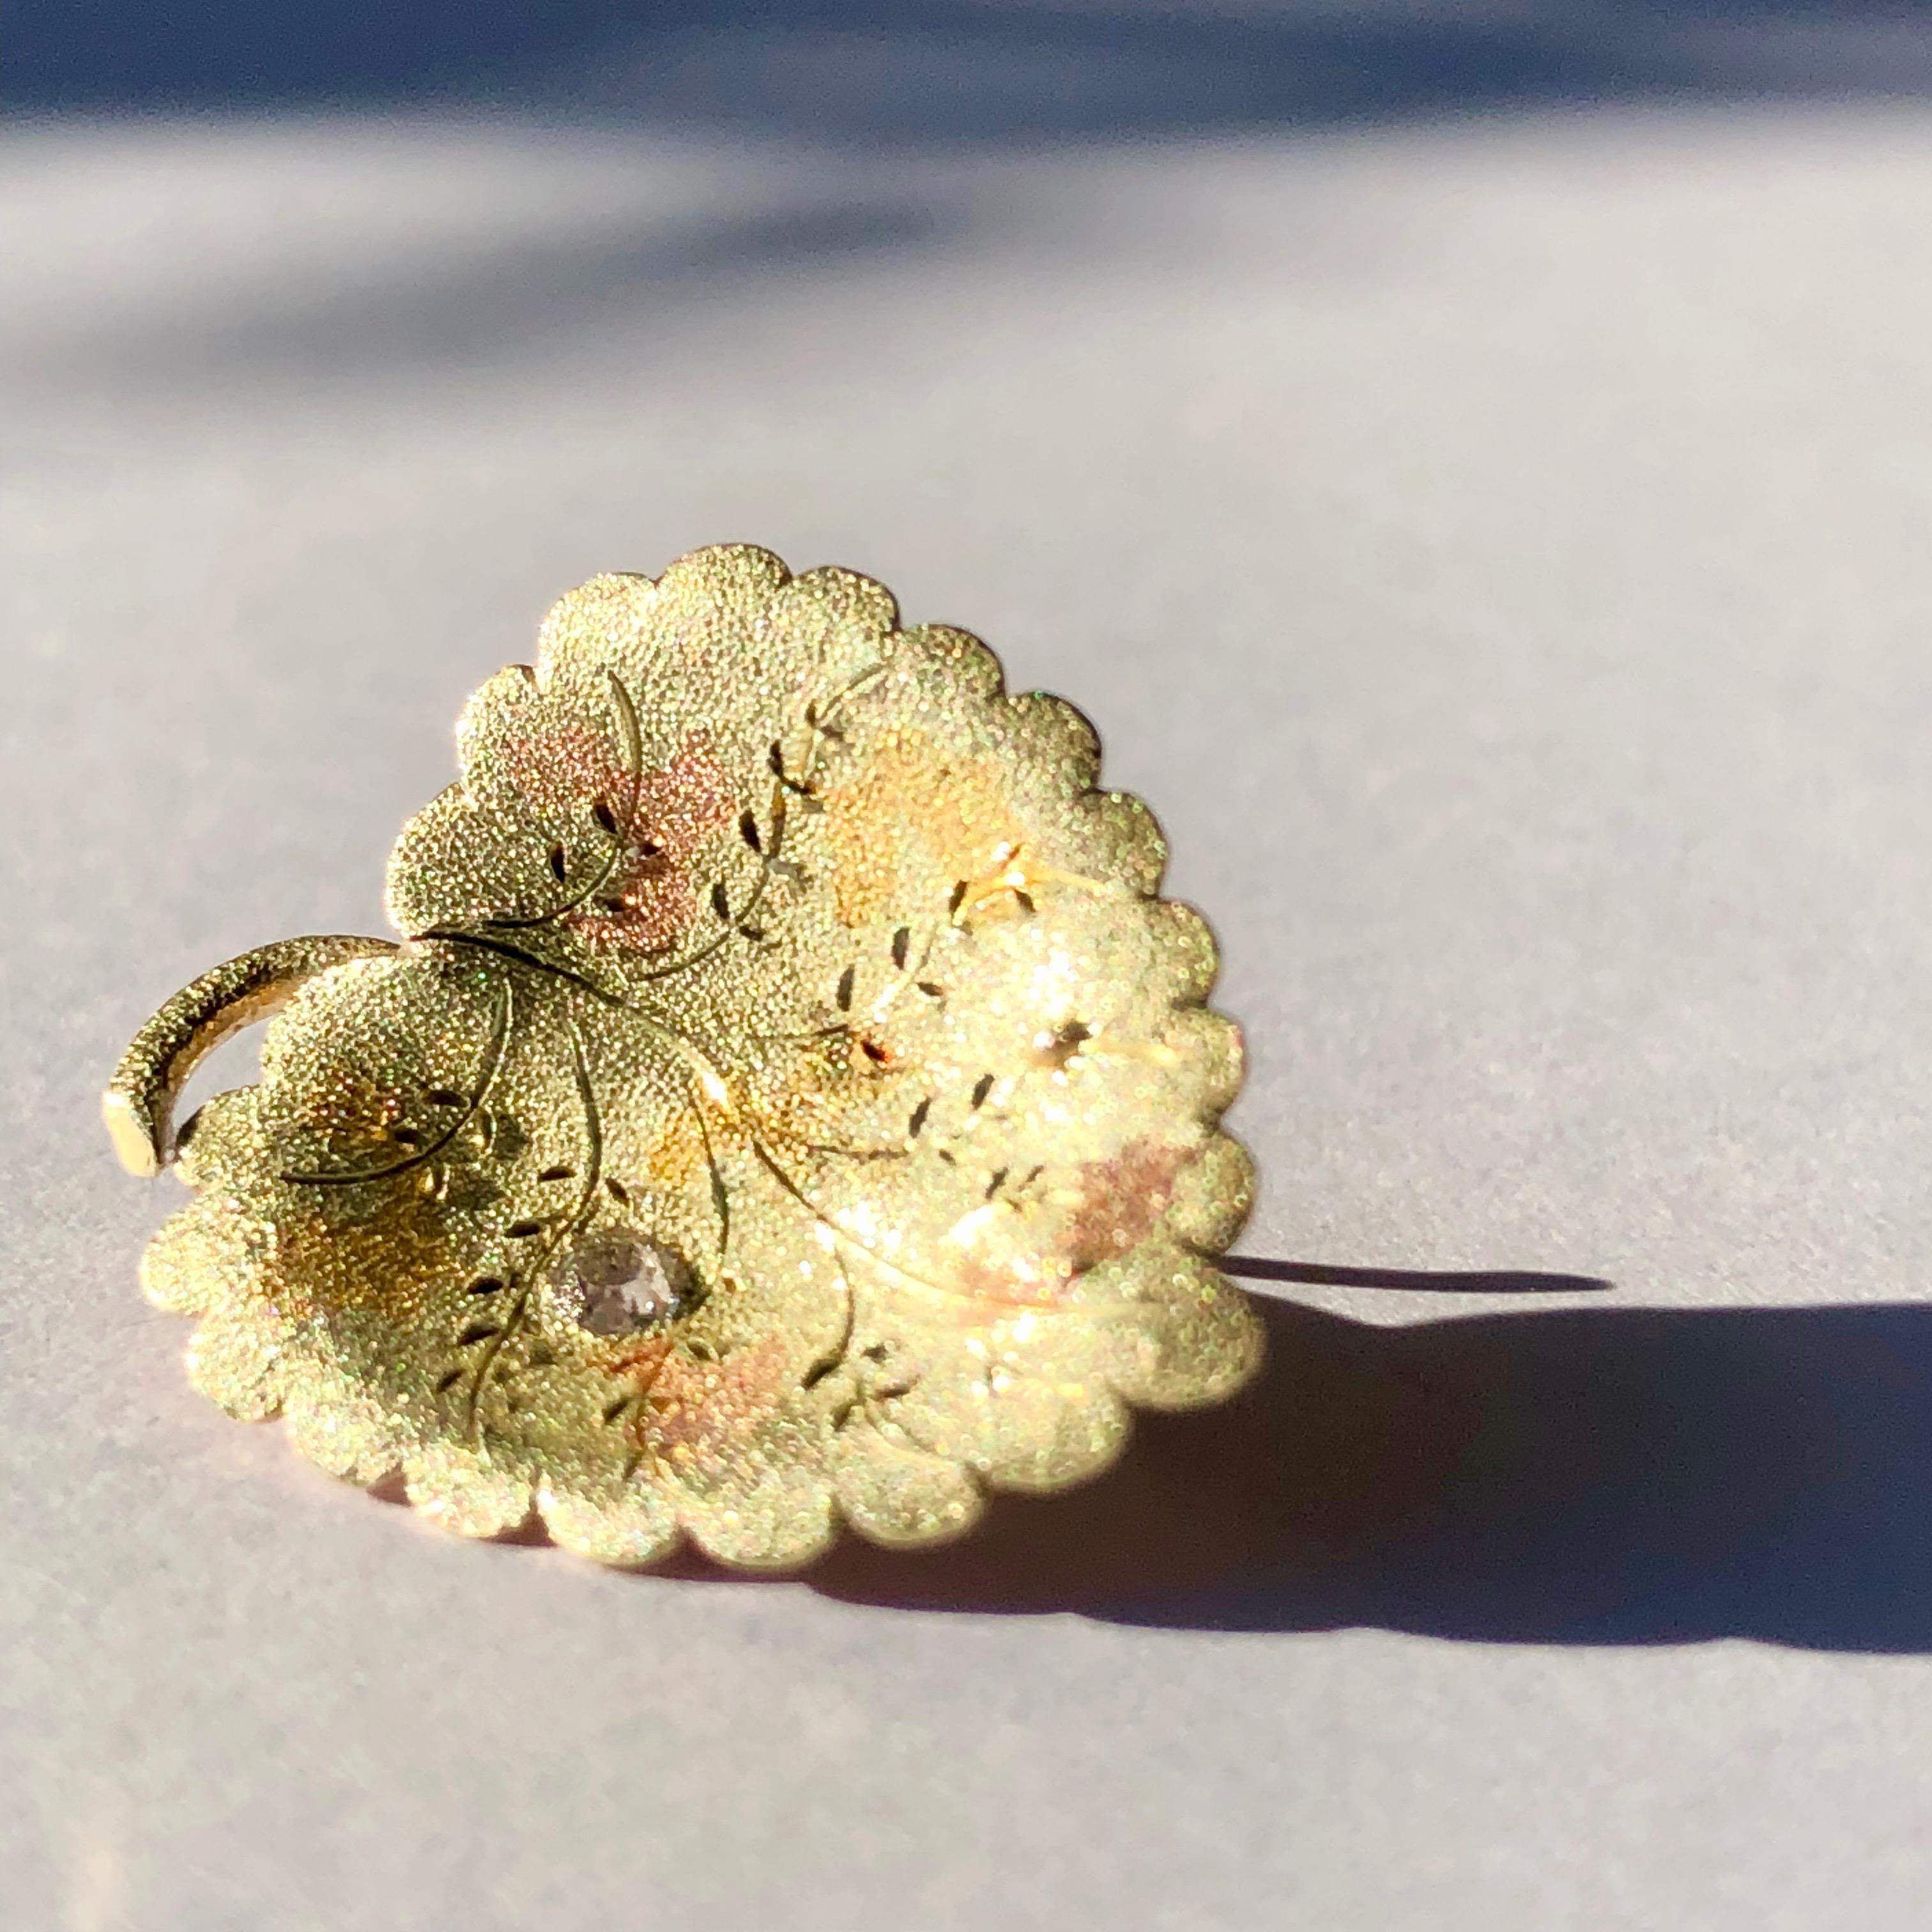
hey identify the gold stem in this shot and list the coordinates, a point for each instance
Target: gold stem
(139, 1105)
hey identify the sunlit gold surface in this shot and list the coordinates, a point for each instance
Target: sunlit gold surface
(790, 1102)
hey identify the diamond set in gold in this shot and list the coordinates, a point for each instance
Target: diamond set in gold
(790, 1101)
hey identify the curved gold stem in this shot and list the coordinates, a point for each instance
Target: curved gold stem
(139, 1105)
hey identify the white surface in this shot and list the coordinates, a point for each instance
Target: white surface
(1499, 553)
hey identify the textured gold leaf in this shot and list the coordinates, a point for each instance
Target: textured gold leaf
(790, 1101)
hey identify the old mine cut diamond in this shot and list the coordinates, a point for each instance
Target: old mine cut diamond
(616, 1283)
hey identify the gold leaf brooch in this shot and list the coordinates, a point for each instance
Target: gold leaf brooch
(791, 1101)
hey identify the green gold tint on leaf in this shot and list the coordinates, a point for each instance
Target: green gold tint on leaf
(790, 1102)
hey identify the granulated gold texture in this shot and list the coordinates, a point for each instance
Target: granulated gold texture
(791, 1102)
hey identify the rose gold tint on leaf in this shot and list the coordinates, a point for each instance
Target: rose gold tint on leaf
(790, 1102)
